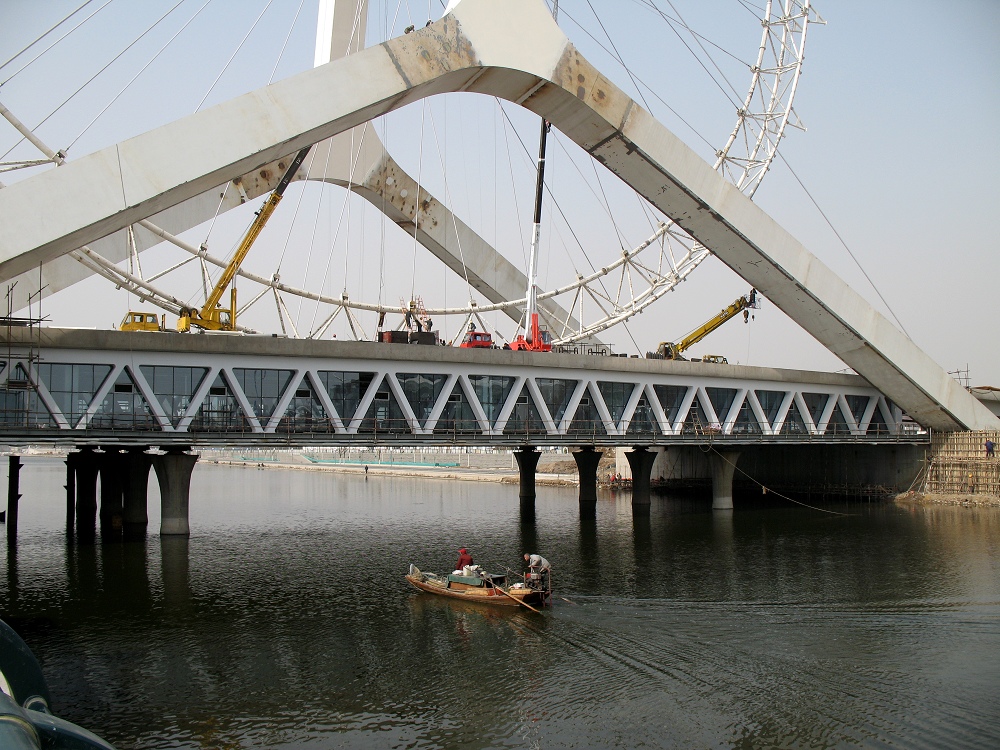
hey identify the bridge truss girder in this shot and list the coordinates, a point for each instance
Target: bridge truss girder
(515, 51)
(294, 396)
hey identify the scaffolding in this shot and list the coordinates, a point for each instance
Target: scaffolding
(959, 464)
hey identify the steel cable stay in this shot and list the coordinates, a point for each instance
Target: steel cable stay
(95, 75)
(53, 28)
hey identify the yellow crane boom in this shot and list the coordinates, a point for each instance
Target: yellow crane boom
(211, 316)
(671, 350)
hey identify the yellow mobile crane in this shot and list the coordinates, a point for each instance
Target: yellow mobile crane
(670, 350)
(212, 317)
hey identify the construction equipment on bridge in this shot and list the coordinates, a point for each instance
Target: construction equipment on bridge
(475, 339)
(535, 338)
(671, 350)
(143, 321)
(212, 317)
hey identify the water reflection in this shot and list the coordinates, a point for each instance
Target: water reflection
(284, 621)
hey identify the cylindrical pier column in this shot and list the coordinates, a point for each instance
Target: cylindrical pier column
(72, 458)
(13, 496)
(136, 515)
(86, 494)
(640, 460)
(527, 461)
(173, 472)
(723, 465)
(111, 467)
(586, 466)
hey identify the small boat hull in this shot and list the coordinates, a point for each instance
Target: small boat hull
(487, 594)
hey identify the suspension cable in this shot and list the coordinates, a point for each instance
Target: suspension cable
(844, 243)
(141, 70)
(281, 52)
(11, 76)
(231, 57)
(106, 66)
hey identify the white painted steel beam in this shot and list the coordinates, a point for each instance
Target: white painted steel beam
(515, 51)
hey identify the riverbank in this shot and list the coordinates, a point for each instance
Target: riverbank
(932, 498)
(554, 468)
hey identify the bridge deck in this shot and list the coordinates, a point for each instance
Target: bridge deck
(71, 386)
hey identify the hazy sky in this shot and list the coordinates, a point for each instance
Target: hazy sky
(898, 98)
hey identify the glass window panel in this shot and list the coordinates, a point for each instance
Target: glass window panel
(263, 388)
(492, 391)
(857, 405)
(421, 392)
(643, 421)
(794, 424)
(524, 419)
(670, 397)
(722, 401)
(556, 394)
(457, 416)
(346, 389)
(305, 412)
(124, 408)
(220, 411)
(384, 415)
(770, 402)
(815, 403)
(73, 386)
(616, 396)
(174, 387)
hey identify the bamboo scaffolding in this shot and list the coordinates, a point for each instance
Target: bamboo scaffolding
(959, 464)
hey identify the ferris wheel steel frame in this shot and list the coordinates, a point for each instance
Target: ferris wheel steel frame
(762, 119)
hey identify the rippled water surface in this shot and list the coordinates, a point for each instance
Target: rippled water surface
(284, 621)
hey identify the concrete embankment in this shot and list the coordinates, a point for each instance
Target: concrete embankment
(555, 468)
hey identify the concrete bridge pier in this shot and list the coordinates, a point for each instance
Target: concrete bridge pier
(86, 494)
(136, 513)
(71, 461)
(13, 496)
(527, 462)
(586, 466)
(111, 468)
(640, 460)
(723, 466)
(173, 472)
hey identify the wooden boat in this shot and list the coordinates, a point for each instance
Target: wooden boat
(481, 587)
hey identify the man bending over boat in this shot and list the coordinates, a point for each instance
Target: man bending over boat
(539, 566)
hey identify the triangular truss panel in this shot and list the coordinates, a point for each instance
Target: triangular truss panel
(221, 409)
(123, 406)
(173, 388)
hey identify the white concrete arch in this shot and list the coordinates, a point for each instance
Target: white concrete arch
(515, 51)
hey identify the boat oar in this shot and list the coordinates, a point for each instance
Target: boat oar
(523, 604)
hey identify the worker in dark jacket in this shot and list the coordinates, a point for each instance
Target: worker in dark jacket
(464, 558)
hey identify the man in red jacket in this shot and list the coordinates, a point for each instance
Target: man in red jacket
(464, 558)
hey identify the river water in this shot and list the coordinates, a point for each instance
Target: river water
(284, 620)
